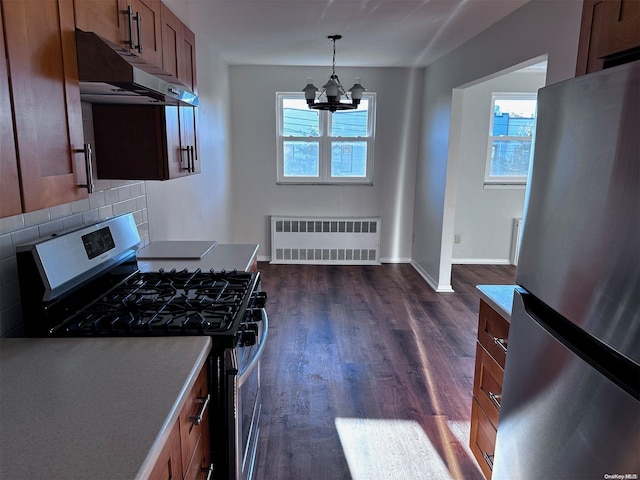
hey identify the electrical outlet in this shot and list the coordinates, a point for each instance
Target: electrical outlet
(457, 238)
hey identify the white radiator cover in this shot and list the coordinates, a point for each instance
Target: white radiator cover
(325, 240)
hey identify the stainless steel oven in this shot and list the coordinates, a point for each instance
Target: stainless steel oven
(86, 283)
(242, 373)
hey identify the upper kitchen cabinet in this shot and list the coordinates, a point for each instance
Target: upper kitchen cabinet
(10, 203)
(140, 142)
(178, 49)
(609, 34)
(131, 24)
(45, 98)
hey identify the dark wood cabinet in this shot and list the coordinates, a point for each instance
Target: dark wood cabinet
(45, 98)
(140, 142)
(186, 453)
(10, 202)
(131, 24)
(491, 354)
(609, 34)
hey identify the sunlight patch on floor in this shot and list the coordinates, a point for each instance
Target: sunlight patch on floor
(378, 449)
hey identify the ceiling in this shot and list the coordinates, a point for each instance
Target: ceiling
(376, 33)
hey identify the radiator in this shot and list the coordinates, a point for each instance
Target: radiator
(515, 240)
(325, 240)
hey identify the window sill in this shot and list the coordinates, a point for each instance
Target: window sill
(361, 184)
(505, 186)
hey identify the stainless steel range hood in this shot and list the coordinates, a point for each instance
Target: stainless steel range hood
(110, 74)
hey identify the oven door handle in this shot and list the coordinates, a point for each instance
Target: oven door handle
(246, 371)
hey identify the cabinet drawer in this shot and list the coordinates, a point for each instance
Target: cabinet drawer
(190, 430)
(487, 384)
(493, 332)
(483, 439)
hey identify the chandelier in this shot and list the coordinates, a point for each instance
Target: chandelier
(333, 90)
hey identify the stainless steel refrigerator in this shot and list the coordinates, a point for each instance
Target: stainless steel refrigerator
(570, 399)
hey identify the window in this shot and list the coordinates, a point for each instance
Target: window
(511, 130)
(322, 147)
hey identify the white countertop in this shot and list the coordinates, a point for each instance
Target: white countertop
(236, 256)
(98, 408)
(499, 297)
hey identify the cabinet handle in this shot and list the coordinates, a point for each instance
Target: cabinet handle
(208, 471)
(495, 398)
(193, 158)
(188, 167)
(501, 342)
(197, 419)
(88, 153)
(488, 458)
(129, 13)
(138, 20)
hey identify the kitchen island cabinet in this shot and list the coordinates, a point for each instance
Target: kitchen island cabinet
(491, 354)
(45, 98)
(99, 408)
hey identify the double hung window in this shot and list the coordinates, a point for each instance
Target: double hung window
(322, 147)
(511, 130)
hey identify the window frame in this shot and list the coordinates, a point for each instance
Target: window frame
(324, 141)
(508, 181)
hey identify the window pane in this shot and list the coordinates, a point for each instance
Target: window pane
(510, 158)
(349, 159)
(298, 119)
(350, 123)
(301, 159)
(514, 117)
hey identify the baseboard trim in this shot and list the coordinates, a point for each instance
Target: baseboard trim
(430, 281)
(481, 261)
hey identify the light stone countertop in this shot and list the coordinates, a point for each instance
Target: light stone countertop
(91, 408)
(499, 297)
(226, 256)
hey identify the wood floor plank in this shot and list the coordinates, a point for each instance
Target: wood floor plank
(368, 373)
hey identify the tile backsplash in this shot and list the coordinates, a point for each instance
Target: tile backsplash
(111, 197)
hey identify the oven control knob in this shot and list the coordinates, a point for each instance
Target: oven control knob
(260, 299)
(256, 314)
(248, 338)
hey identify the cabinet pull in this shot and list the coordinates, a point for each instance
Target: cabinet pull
(188, 152)
(495, 398)
(193, 158)
(208, 471)
(138, 19)
(129, 13)
(88, 153)
(197, 419)
(488, 458)
(501, 342)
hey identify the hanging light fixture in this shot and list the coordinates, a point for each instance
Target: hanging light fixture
(333, 90)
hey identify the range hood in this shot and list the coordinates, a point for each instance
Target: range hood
(111, 74)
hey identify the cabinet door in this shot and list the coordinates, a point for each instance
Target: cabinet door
(169, 463)
(590, 37)
(106, 18)
(149, 30)
(9, 182)
(41, 53)
(171, 40)
(620, 28)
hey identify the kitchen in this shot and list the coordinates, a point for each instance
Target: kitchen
(539, 27)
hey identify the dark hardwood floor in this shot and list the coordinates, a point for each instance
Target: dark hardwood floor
(368, 373)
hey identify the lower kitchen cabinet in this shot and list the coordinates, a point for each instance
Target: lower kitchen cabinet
(186, 454)
(491, 354)
(140, 142)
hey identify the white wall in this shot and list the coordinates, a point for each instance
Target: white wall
(540, 27)
(484, 217)
(253, 126)
(198, 207)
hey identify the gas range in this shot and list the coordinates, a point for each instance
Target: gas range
(86, 283)
(171, 303)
